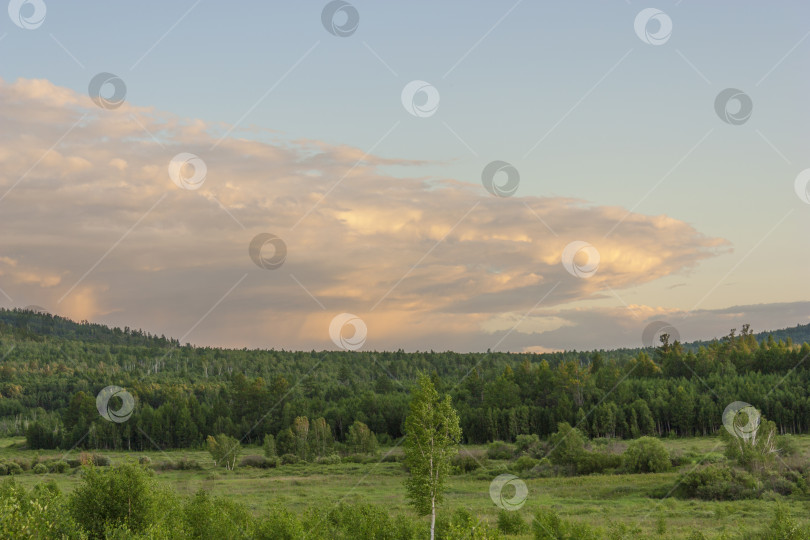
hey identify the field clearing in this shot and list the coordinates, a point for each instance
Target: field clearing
(595, 499)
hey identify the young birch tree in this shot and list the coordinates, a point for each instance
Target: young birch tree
(432, 434)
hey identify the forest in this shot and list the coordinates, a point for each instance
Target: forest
(52, 370)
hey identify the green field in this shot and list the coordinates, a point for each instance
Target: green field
(599, 499)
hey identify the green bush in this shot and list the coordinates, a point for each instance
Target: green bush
(14, 468)
(524, 463)
(529, 444)
(718, 482)
(145, 460)
(547, 525)
(332, 459)
(511, 522)
(40, 468)
(647, 455)
(258, 462)
(57, 466)
(567, 445)
(464, 463)
(289, 459)
(500, 450)
(597, 462)
(115, 497)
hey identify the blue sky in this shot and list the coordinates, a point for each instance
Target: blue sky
(566, 92)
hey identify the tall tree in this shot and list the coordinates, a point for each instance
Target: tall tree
(432, 434)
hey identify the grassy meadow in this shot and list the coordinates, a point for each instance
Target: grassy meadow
(599, 499)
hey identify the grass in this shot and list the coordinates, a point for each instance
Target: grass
(595, 499)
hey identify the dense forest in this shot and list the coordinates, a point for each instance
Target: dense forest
(52, 369)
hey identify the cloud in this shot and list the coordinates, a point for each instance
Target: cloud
(425, 262)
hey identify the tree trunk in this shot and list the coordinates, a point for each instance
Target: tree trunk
(432, 518)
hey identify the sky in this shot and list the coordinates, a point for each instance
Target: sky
(468, 176)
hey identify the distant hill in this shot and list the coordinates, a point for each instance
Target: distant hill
(36, 324)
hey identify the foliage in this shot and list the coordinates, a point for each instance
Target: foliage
(718, 482)
(432, 437)
(361, 439)
(646, 455)
(548, 525)
(108, 498)
(511, 522)
(224, 449)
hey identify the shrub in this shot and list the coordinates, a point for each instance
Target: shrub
(269, 446)
(597, 462)
(718, 482)
(568, 445)
(145, 460)
(115, 497)
(547, 525)
(787, 445)
(464, 463)
(524, 463)
(40, 468)
(500, 450)
(57, 466)
(3, 469)
(14, 468)
(511, 522)
(528, 444)
(289, 459)
(258, 462)
(182, 464)
(333, 459)
(646, 455)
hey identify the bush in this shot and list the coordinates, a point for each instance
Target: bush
(647, 455)
(524, 463)
(289, 459)
(182, 464)
(258, 462)
(511, 522)
(145, 460)
(118, 497)
(464, 463)
(269, 446)
(14, 468)
(719, 483)
(547, 525)
(332, 459)
(597, 462)
(787, 445)
(529, 444)
(500, 450)
(40, 468)
(57, 466)
(568, 445)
